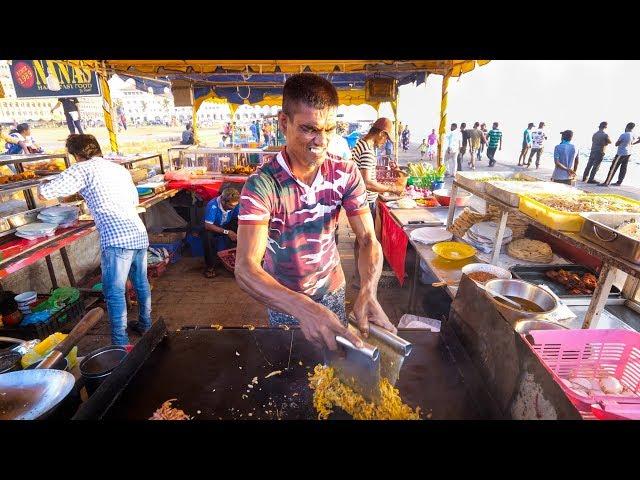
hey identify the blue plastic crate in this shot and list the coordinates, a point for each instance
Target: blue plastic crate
(174, 249)
(195, 245)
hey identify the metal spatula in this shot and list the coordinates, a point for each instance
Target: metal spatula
(358, 368)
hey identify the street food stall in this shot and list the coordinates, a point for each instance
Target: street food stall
(551, 254)
(482, 362)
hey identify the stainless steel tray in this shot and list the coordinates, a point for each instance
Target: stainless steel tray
(499, 191)
(600, 228)
(470, 179)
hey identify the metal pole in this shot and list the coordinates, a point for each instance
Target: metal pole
(443, 114)
(194, 121)
(394, 108)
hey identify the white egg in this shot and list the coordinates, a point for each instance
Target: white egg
(611, 385)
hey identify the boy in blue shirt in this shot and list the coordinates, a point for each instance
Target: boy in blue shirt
(220, 227)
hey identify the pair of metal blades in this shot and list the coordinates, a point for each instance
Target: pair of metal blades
(361, 369)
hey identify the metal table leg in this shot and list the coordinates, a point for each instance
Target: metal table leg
(67, 266)
(452, 204)
(600, 295)
(497, 243)
(52, 272)
(414, 284)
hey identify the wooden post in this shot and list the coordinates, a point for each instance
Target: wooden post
(107, 109)
(443, 114)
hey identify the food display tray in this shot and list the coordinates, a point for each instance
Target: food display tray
(600, 228)
(472, 180)
(510, 192)
(536, 274)
(559, 219)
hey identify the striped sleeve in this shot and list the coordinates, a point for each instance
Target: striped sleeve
(256, 201)
(354, 199)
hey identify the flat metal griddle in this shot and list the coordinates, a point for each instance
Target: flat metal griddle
(200, 368)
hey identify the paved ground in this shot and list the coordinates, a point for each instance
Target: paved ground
(183, 296)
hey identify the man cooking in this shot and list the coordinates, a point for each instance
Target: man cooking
(112, 198)
(288, 212)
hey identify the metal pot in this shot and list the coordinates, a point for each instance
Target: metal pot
(99, 364)
(526, 291)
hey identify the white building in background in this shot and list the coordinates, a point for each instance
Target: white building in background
(139, 106)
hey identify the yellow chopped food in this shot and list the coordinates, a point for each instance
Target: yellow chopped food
(329, 391)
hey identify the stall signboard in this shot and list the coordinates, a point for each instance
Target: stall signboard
(49, 78)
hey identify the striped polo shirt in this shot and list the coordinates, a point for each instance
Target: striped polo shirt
(365, 157)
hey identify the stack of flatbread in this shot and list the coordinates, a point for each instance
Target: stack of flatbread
(516, 223)
(465, 221)
(530, 250)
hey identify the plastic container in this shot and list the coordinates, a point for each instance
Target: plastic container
(174, 249)
(99, 364)
(157, 269)
(61, 321)
(228, 258)
(195, 245)
(26, 298)
(558, 219)
(585, 353)
(44, 348)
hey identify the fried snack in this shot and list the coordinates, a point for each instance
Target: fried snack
(465, 221)
(586, 203)
(167, 412)
(530, 250)
(516, 223)
(329, 391)
(630, 229)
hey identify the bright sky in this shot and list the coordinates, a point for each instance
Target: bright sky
(575, 95)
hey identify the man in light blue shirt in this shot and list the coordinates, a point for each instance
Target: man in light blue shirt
(565, 157)
(622, 155)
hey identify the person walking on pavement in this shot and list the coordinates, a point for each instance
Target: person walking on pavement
(483, 140)
(406, 135)
(453, 143)
(599, 142)
(423, 148)
(432, 139)
(526, 145)
(464, 133)
(565, 157)
(494, 143)
(71, 113)
(622, 155)
(538, 137)
(475, 139)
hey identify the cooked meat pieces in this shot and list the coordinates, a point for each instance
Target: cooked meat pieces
(575, 284)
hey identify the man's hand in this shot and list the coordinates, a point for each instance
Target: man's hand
(321, 325)
(397, 189)
(233, 236)
(367, 310)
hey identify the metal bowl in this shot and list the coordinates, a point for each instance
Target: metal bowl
(500, 273)
(525, 326)
(524, 290)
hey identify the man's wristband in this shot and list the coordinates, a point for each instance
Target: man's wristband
(226, 232)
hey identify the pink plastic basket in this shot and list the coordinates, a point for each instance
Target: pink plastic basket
(584, 353)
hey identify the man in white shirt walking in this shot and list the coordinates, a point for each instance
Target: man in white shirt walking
(453, 143)
(538, 138)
